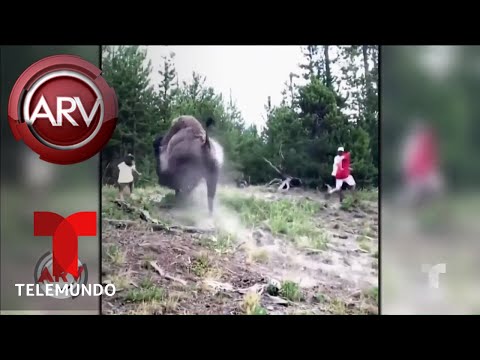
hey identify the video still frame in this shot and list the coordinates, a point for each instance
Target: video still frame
(242, 180)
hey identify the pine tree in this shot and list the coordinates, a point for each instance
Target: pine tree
(300, 135)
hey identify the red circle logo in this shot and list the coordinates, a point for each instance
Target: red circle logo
(63, 109)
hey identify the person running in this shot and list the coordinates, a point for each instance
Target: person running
(341, 172)
(125, 176)
(420, 165)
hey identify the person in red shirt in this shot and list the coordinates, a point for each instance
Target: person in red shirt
(341, 172)
(421, 170)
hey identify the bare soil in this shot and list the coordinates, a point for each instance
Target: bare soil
(256, 273)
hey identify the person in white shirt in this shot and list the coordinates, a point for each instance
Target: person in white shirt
(342, 175)
(337, 161)
(125, 175)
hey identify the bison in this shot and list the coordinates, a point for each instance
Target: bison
(186, 155)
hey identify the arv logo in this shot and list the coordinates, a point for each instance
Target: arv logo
(63, 109)
(63, 112)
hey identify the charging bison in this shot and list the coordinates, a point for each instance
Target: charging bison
(186, 155)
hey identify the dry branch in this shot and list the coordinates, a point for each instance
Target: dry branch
(278, 300)
(165, 275)
(274, 181)
(285, 181)
(281, 153)
(126, 224)
(273, 167)
(154, 224)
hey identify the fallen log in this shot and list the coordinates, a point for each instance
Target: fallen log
(285, 185)
(154, 224)
(274, 181)
(127, 224)
(162, 273)
(286, 181)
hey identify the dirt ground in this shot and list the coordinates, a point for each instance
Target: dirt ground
(264, 252)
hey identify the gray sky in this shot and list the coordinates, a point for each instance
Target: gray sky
(252, 73)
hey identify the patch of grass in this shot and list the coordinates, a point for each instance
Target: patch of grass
(213, 273)
(320, 298)
(225, 240)
(367, 195)
(148, 294)
(221, 242)
(372, 294)
(251, 305)
(338, 307)
(201, 265)
(260, 256)
(147, 283)
(109, 209)
(180, 295)
(170, 304)
(320, 242)
(121, 282)
(147, 308)
(154, 305)
(349, 202)
(142, 198)
(114, 254)
(292, 218)
(112, 211)
(290, 291)
(358, 199)
(109, 193)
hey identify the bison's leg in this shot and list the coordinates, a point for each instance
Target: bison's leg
(182, 198)
(182, 194)
(212, 179)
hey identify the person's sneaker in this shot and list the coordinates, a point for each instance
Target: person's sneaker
(329, 189)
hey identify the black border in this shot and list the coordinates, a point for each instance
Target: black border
(379, 167)
(274, 335)
(201, 25)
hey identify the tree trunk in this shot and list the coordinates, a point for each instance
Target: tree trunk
(368, 85)
(134, 135)
(328, 74)
(375, 60)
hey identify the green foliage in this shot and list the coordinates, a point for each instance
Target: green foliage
(291, 291)
(300, 136)
(294, 219)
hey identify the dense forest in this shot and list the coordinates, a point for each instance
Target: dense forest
(336, 105)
